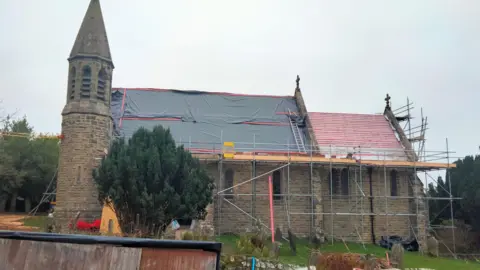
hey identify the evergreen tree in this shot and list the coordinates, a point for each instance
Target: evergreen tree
(439, 210)
(27, 164)
(154, 178)
(465, 183)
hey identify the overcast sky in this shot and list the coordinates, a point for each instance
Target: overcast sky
(349, 54)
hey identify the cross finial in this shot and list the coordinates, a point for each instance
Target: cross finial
(387, 99)
(298, 82)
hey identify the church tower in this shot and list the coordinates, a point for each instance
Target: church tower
(86, 119)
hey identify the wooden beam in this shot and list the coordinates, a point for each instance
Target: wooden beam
(335, 161)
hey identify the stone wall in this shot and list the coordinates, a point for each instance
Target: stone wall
(236, 218)
(87, 128)
(85, 138)
(357, 226)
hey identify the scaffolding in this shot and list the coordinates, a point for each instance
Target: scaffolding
(311, 185)
(354, 211)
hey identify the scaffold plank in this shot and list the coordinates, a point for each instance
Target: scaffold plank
(334, 161)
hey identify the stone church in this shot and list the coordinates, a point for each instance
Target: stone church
(353, 176)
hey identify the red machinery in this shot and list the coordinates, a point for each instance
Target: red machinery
(87, 226)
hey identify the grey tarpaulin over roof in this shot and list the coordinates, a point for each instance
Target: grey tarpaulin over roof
(203, 120)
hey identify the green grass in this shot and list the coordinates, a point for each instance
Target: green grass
(35, 221)
(412, 259)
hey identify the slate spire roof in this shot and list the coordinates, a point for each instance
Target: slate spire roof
(92, 37)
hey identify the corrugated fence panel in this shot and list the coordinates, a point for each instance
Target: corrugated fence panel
(4, 248)
(125, 258)
(153, 259)
(33, 255)
(39, 251)
(98, 258)
(16, 254)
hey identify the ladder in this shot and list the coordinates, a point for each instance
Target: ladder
(297, 134)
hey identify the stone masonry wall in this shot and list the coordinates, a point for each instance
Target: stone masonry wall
(357, 227)
(85, 138)
(236, 218)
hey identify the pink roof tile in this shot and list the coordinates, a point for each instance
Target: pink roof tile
(352, 130)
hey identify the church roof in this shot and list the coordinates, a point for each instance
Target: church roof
(92, 37)
(368, 131)
(202, 121)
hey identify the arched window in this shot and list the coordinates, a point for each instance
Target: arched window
(86, 82)
(73, 74)
(229, 183)
(334, 181)
(277, 185)
(393, 183)
(102, 78)
(344, 183)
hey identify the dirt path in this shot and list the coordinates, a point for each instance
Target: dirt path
(13, 222)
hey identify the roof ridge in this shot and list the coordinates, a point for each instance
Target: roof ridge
(200, 92)
(348, 113)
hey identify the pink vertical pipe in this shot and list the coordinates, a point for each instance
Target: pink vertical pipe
(270, 191)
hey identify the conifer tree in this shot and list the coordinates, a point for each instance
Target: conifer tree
(152, 177)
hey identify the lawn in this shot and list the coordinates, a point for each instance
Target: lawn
(35, 221)
(412, 259)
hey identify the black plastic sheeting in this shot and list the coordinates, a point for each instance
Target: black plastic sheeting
(203, 120)
(409, 244)
(114, 241)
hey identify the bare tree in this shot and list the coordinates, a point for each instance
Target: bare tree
(5, 118)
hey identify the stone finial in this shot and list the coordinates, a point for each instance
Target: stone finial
(298, 83)
(387, 100)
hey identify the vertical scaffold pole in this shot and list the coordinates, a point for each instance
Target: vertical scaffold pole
(254, 183)
(331, 195)
(220, 184)
(386, 192)
(417, 201)
(451, 197)
(312, 194)
(288, 187)
(361, 184)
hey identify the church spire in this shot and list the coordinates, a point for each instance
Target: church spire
(92, 37)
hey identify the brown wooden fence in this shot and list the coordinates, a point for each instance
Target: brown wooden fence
(32, 251)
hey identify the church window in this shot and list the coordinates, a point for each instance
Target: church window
(102, 78)
(334, 181)
(393, 183)
(344, 185)
(229, 183)
(277, 185)
(73, 74)
(86, 82)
